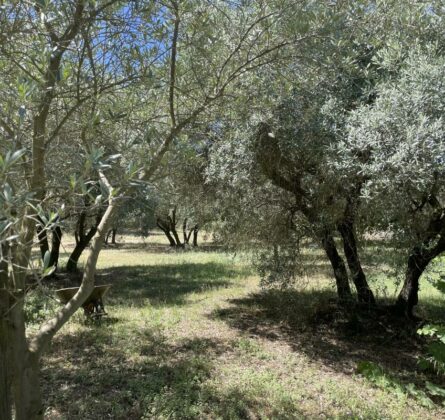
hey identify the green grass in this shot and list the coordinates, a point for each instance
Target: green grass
(191, 335)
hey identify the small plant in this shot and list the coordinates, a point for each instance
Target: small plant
(435, 358)
(39, 306)
(376, 374)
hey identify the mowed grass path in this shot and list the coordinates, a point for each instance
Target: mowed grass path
(190, 335)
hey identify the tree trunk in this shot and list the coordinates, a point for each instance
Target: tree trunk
(172, 227)
(26, 393)
(43, 239)
(71, 265)
(408, 296)
(340, 273)
(421, 255)
(82, 240)
(195, 235)
(112, 233)
(27, 396)
(184, 232)
(55, 247)
(364, 293)
(166, 232)
(5, 372)
(176, 236)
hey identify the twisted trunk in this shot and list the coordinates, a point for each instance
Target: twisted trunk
(420, 256)
(173, 222)
(364, 293)
(339, 268)
(166, 231)
(168, 226)
(82, 240)
(408, 296)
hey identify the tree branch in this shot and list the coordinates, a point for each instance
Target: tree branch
(173, 66)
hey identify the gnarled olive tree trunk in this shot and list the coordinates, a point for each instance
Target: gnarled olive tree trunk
(168, 225)
(187, 235)
(338, 266)
(346, 227)
(83, 239)
(364, 292)
(418, 260)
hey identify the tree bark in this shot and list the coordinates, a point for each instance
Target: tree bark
(166, 232)
(43, 239)
(420, 256)
(55, 247)
(364, 293)
(112, 233)
(28, 397)
(5, 372)
(82, 241)
(173, 222)
(408, 296)
(195, 235)
(340, 273)
(184, 232)
(176, 236)
(26, 392)
(71, 265)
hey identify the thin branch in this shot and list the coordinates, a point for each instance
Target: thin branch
(173, 66)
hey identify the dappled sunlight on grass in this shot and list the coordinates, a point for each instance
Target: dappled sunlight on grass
(191, 335)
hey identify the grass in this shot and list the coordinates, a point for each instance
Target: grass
(190, 335)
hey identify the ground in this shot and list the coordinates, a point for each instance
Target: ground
(190, 334)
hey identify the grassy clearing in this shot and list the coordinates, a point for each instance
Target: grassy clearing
(191, 335)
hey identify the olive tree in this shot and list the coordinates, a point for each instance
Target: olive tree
(174, 60)
(402, 132)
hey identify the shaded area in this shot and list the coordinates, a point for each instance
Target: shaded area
(312, 323)
(167, 284)
(103, 382)
(98, 379)
(157, 247)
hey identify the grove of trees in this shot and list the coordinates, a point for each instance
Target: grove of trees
(269, 123)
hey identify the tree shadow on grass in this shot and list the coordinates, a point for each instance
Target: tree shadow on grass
(88, 375)
(156, 247)
(311, 323)
(167, 284)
